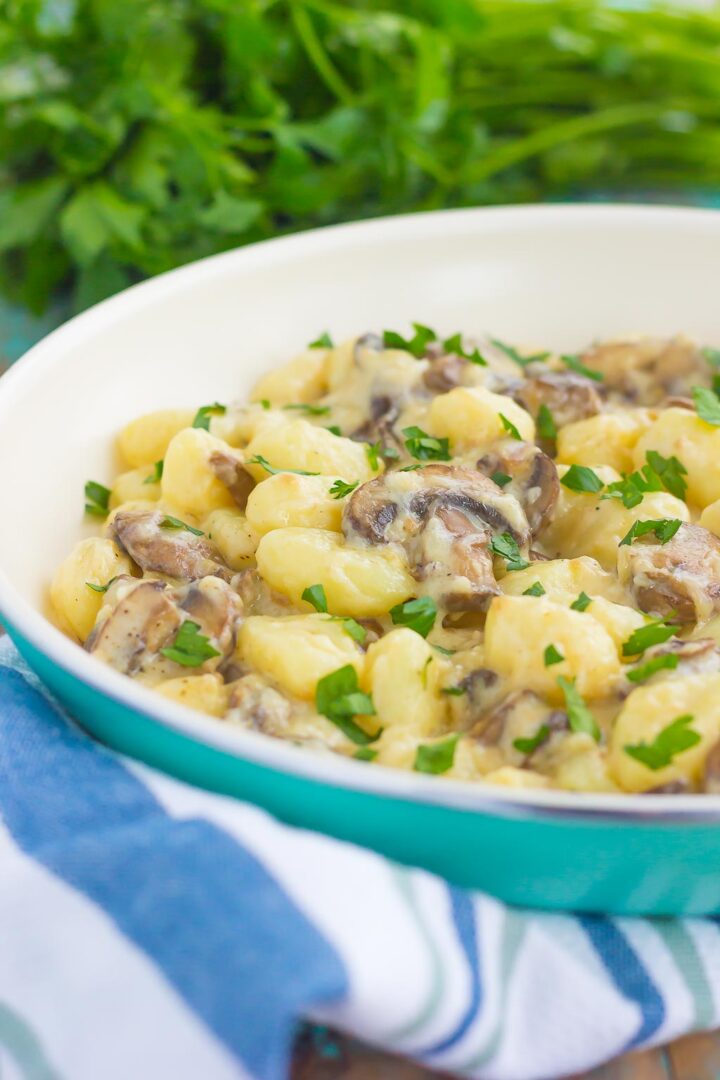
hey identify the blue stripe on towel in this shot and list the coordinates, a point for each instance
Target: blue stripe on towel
(629, 974)
(193, 899)
(463, 913)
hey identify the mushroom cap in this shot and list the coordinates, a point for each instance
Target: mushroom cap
(175, 552)
(680, 577)
(647, 370)
(568, 396)
(534, 479)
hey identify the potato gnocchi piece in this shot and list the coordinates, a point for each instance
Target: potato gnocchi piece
(297, 650)
(606, 439)
(233, 536)
(564, 579)
(357, 581)
(648, 711)
(520, 628)
(587, 524)
(148, 437)
(404, 674)
(301, 445)
(682, 434)
(472, 416)
(287, 501)
(76, 605)
(189, 481)
(137, 485)
(205, 693)
(301, 379)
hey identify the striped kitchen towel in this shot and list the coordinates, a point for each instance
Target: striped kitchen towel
(151, 930)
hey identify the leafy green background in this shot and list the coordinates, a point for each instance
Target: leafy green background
(136, 135)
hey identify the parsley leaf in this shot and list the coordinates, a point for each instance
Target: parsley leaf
(528, 746)
(658, 663)
(352, 628)
(265, 404)
(365, 753)
(175, 523)
(707, 405)
(454, 344)
(419, 615)
(506, 547)
(339, 698)
(634, 486)
(100, 588)
(501, 479)
(672, 740)
(425, 447)
(454, 691)
(535, 589)
(340, 489)
(664, 530)
(581, 478)
(510, 427)
(308, 408)
(202, 416)
(436, 757)
(653, 633)
(671, 472)
(416, 345)
(546, 426)
(575, 364)
(334, 430)
(324, 341)
(190, 648)
(373, 451)
(552, 656)
(315, 595)
(583, 601)
(579, 716)
(264, 464)
(97, 498)
(513, 353)
(156, 475)
(410, 468)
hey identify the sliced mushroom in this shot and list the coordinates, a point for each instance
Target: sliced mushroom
(172, 551)
(534, 479)
(698, 657)
(445, 518)
(711, 772)
(144, 620)
(444, 373)
(647, 370)
(232, 474)
(379, 427)
(673, 787)
(568, 396)
(517, 711)
(681, 577)
(253, 704)
(212, 604)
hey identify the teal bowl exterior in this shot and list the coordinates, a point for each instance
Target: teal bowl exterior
(522, 854)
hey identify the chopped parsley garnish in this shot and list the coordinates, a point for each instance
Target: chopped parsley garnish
(672, 740)
(712, 356)
(501, 479)
(445, 652)
(454, 344)
(202, 416)
(653, 633)
(634, 486)
(437, 757)
(334, 430)
(315, 595)
(417, 344)
(506, 547)
(552, 656)
(373, 451)
(546, 426)
(190, 648)
(324, 341)
(512, 352)
(264, 464)
(581, 478)
(671, 472)
(579, 716)
(156, 475)
(575, 364)
(510, 427)
(425, 447)
(528, 746)
(175, 523)
(352, 628)
(535, 589)
(658, 663)
(100, 588)
(707, 405)
(309, 409)
(454, 691)
(419, 615)
(340, 489)
(664, 530)
(265, 404)
(583, 601)
(365, 753)
(97, 498)
(410, 468)
(339, 698)
(424, 672)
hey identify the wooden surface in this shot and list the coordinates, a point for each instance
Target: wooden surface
(322, 1055)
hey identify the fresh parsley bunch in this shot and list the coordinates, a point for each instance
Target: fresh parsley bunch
(137, 135)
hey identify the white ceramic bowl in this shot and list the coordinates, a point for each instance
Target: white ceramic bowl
(556, 276)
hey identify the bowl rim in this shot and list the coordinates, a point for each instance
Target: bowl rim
(330, 769)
